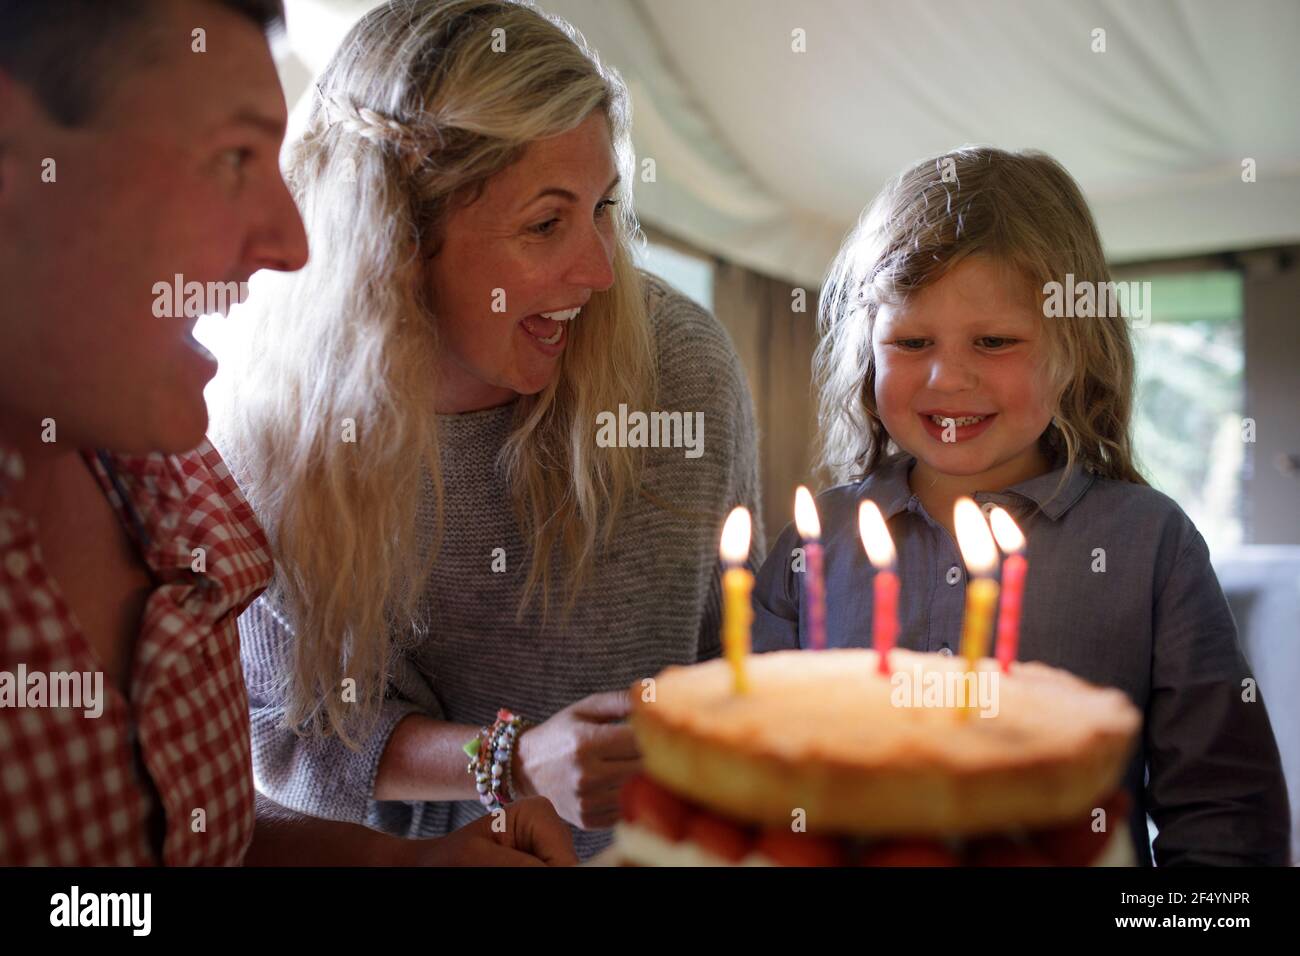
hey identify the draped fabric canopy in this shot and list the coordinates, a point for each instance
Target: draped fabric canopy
(771, 123)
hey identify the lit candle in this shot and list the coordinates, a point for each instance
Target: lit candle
(1012, 543)
(884, 606)
(981, 557)
(810, 530)
(737, 583)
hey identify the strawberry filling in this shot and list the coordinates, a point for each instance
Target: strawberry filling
(647, 804)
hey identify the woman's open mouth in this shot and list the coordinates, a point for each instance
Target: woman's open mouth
(952, 427)
(549, 329)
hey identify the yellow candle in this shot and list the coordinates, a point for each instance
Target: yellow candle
(981, 599)
(980, 553)
(737, 584)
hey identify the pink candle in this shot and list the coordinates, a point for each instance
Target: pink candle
(806, 520)
(880, 551)
(815, 586)
(884, 619)
(1014, 567)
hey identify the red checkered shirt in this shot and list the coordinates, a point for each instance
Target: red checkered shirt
(83, 790)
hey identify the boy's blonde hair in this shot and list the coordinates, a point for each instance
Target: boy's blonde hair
(415, 112)
(1023, 211)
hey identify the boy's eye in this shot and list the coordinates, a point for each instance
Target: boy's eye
(995, 341)
(910, 345)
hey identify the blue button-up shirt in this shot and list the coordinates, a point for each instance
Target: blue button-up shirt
(1119, 591)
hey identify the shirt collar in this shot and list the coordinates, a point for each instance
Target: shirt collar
(888, 487)
(143, 489)
(1054, 492)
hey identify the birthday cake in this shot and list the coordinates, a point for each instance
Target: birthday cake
(824, 759)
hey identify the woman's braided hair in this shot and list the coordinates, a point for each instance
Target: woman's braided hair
(414, 140)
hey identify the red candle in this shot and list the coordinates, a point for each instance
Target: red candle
(885, 620)
(1014, 567)
(810, 529)
(884, 608)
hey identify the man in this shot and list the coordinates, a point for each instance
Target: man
(139, 142)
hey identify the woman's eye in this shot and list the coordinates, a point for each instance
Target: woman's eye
(910, 345)
(995, 341)
(548, 227)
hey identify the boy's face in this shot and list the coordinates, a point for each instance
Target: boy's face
(176, 174)
(970, 345)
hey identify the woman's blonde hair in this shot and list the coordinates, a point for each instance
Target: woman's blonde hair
(1021, 210)
(424, 102)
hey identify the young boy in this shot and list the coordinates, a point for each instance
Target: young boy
(941, 376)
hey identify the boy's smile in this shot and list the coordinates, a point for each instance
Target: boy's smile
(960, 379)
(949, 426)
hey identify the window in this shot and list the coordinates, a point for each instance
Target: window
(1188, 417)
(690, 275)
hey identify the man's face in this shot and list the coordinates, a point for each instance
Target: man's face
(177, 174)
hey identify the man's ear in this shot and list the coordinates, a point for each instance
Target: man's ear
(6, 118)
(11, 120)
(21, 118)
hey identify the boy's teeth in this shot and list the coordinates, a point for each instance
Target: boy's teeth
(563, 316)
(964, 420)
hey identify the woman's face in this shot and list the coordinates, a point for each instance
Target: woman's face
(960, 381)
(538, 241)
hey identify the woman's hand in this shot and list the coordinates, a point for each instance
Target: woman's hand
(579, 759)
(532, 835)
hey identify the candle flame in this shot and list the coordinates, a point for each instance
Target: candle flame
(735, 536)
(973, 537)
(1010, 539)
(875, 536)
(805, 515)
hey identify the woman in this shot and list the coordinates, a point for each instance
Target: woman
(416, 425)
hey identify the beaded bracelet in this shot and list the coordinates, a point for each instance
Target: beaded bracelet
(491, 755)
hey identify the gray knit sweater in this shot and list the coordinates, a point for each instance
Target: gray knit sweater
(652, 599)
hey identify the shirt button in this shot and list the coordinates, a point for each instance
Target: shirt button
(946, 651)
(954, 574)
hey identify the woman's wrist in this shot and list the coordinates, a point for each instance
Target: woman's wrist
(523, 779)
(492, 759)
(423, 760)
